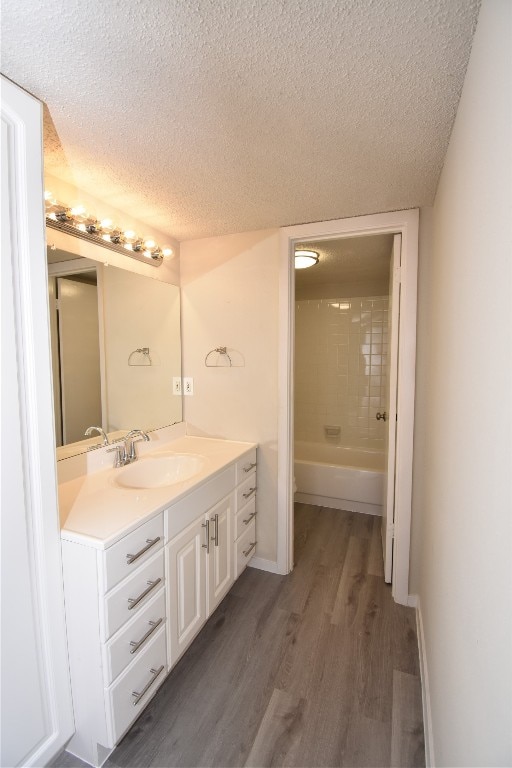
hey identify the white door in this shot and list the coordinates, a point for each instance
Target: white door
(79, 354)
(37, 714)
(220, 559)
(186, 585)
(388, 503)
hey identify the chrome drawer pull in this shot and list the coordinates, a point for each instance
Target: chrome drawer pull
(253, 514)
(207, 545)
(215, 538)
(138, 696)
(137, 644)
(247, 552)
(249, 467)
(249, 492)
(150, 543)
(133, 601)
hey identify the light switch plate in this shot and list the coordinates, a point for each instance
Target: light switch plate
(188, 385)
(176, 385)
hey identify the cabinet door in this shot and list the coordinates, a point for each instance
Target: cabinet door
(186, 586)
(220, 559)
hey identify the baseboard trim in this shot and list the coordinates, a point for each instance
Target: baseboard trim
(264, 565)
(414, 601)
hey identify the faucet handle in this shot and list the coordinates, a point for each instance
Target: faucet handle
(120, 458)
(131, 438)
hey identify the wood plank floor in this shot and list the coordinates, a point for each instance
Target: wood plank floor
(319, 668)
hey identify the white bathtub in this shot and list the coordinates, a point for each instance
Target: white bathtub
(341, 478)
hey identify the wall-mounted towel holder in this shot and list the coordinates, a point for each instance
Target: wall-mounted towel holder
(143, 357)
(222, 354)
(220, 357)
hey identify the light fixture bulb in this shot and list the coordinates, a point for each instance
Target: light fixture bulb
(48, 195)
(305, 258)
(78, 210)
(147, 253)
(107, 225)
(129, 236)
(166, 251)
(149, 244)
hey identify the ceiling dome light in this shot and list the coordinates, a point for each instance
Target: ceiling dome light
(305, 259)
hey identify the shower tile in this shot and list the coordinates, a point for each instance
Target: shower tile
(339, 360)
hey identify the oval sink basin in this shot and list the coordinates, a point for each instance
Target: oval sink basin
(159, 471)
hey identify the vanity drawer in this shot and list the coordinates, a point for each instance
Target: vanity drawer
(246, 466)
(246, 492)
(245, 548)
(119, 651)
(124, 557)
(143, 677)
(123, 602)
(244, 517)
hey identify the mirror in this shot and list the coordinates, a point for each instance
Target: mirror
(116, 348)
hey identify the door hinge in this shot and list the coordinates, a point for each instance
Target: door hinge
(391, 529)
(57, 304)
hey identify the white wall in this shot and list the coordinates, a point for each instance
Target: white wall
(462, 514)
(230, 298)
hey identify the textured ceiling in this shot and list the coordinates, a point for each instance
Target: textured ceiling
(220, 116)
(348, 260)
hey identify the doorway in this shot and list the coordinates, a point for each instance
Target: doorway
(404, 224)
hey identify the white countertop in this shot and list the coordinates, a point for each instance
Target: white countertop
(96, 512)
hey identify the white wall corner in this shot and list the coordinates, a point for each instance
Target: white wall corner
(414, 601)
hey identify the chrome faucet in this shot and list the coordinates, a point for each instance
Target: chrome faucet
(125, 448)
(131, 438)
(88, 432)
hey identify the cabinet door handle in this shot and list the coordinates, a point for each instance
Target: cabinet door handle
(150, 543)
(248, 551)
(215, 538)
(248, 467)
(133, 601)
(248, 520)
(154, 675)
(207, 545)
(136, 644)
(249, 492)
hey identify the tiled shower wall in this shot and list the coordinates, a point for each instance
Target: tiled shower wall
(341, 349)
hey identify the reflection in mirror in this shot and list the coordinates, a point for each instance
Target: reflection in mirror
(115, 339)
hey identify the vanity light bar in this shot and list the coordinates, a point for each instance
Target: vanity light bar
(78, 222)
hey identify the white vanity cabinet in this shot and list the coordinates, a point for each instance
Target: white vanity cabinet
(245, 517)
(134, 607)
(199, 557)
(202, 553)
(117, 633)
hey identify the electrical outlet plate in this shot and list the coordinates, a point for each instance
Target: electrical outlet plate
(188, 385)
(176, 385)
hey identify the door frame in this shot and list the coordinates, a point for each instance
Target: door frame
(405, 223)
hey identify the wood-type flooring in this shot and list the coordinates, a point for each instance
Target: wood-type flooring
(318, 668)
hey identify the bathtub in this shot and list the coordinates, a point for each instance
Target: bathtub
(338, 477)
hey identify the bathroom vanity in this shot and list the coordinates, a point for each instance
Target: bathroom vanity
(147, 558)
